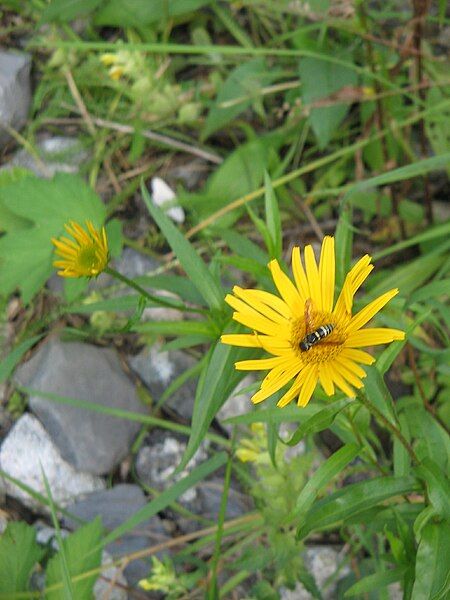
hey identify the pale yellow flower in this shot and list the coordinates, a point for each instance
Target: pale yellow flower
(86, 255)
(280, 325)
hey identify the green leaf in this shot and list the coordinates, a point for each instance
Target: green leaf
(135, 13)
(319, 421)
(431, 290)
(353, 499)
(375, 582)
(191, 262)
(432, 580)
(378, 394)
(323, 476)
(26, 255)
(173, 328)
(273, 220)
(438, 486)
(83, 553)
(236, 94)
(242, 246)
(216, 383)
(9, 362)
(321, 79)
(67, 10)
(343, 241)
(19, 553)
(9, 221)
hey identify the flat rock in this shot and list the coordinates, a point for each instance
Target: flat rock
(158, 369)
(238, 403)
(115, 506)
(324, 564)
(26, 449)
(57, 155)
(92, 442)
(15, 91)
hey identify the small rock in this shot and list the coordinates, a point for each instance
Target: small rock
(238, 403)
(155, 464)
(92, 442)
(115, 506)
(106, 587)
(26, 450)
(159, 369)
(57, 155)
(163, 195)
(134, 264)
(15, 92)
(322, 562)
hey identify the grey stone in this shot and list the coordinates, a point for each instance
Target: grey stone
(238, 403)
(189, 174)
(26, 450)
(92, 442)
(159, 369)
(134, 264)
(56, 154)
(155, 464)
(324, 564)
(111, 583)
(115, 506)
(15, 92)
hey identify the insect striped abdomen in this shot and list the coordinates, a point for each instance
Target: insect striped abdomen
(313, 338)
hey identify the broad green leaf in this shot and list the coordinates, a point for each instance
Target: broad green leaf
(321, 79)
(327, 471)
(136, 13)
(242, 246)
(273, 220)
(431, 439)
(432, 581)
(19, 552)
(438, 486)
(343, 241)
(216, 383)
(9, 221)
(67, 10)
(81, 558)
(319, 421)
(353, 499)
(237, 93)
(26, 255)
(375, 582)
(378, 394)
(10, 361)
(191, 262)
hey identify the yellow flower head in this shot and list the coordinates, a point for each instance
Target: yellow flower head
(84, 256)
(311, 338)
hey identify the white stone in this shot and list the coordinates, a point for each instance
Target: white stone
(26, 452)
(163, 194)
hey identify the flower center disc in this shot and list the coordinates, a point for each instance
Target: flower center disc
(325, 349)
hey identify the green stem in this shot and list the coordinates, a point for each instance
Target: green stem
(147, 295)
(392, 428)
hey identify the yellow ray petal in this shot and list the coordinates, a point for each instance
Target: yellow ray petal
(354, 279)
(261, 324)
(372, 336)
(275, 385)
(342, 384)
(327, 271)
(259, 364)
(350, 365)
(287, 289)
(348, 374)
(266, 298)
(313, 277)
(241, 339)
(299, 275)
(358, 355)
(365, 314)
(292, 391)
(326, 381)
(256, 308)
(309, 384)
(289, 369)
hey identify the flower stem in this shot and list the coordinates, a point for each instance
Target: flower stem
(392, 428)
(147, 295)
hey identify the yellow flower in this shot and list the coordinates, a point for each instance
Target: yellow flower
(87, 256)
(109, 59)
(280, 326)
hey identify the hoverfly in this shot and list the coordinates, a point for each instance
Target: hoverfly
(315, 336)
